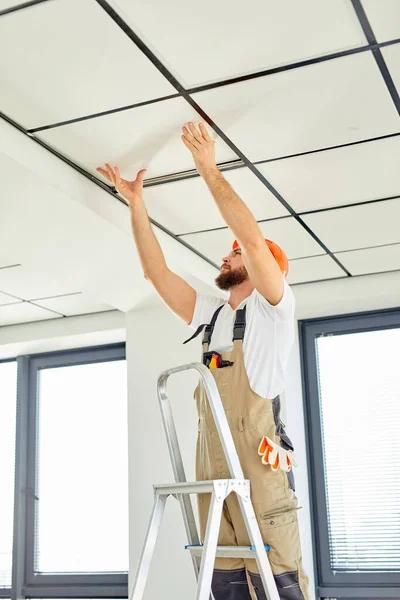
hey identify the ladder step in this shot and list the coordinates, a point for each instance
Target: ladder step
(226, 551)
(196, 487)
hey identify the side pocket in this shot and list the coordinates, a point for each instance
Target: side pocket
(281, 532)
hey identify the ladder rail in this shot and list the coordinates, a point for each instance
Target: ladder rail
(210, 547)
(219, 415)
(178, 468)
(148, 547)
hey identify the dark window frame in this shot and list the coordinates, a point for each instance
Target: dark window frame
(4, 591)
(329, 584)
(25, 582)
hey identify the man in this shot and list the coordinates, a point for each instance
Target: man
(248, 340)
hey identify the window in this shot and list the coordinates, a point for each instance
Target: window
(71, 475)
(8, 409)
(352, 385)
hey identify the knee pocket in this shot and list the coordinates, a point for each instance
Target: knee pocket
(281, 533)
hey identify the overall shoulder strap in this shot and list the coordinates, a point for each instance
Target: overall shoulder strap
(240, 324)
(209, 328)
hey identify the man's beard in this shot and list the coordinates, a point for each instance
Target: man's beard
(228, 278)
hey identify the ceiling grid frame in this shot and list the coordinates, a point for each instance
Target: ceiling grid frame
(372, 46)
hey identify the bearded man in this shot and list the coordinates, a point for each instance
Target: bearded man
(246, 344)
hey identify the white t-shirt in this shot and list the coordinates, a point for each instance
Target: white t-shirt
(268, 338)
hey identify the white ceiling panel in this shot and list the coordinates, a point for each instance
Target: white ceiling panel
(291, 236)
(187, 206)
(74, 304)
(336, 177)
(371, 260)
(326, 104)
(384, 18)
(392, 58)
(4, 4)
(314, 268)
(226, 38)
(67, 59)
(358, 227)
(146, 137)
(28, 283)
(6, 299)
(213, 244)
(23, 312)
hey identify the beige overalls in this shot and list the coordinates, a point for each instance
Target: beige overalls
(250, 418)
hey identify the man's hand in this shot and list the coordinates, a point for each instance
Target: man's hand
(201, 146)
(130, 190)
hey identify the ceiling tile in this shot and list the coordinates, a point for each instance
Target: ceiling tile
(384, 18)
(187, 206)
(212, 244)
(149, 136)
(23, 312)
(28, 283)
(357, 227)
(4, 4)
(292, 237)
(343, 176)
(314, 268)
(371, 260)
(226, 39)
(74, 304)
(288, 233)
(326, 104)
(392, 59)
(67, 59)
(6, 299)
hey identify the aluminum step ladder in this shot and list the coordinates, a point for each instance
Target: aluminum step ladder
(203, 556)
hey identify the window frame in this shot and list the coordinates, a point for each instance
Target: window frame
(328, 583)
(25, 583)
(5, 592)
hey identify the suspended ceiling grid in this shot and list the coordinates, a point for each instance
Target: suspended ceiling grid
(302, 99)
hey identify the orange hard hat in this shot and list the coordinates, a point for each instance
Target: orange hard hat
(277, 252)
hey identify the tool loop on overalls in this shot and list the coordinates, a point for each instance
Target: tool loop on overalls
(213, 360)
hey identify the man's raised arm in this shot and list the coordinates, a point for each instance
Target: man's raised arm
(179, 296)
(260, 263)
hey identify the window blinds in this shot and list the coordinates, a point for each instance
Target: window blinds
(359, 393)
